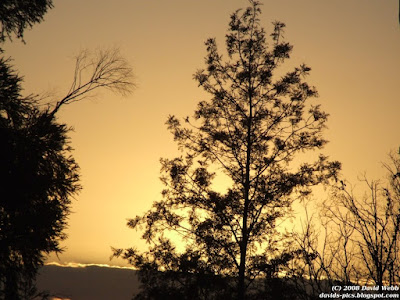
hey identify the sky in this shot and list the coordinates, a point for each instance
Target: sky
(352, 46)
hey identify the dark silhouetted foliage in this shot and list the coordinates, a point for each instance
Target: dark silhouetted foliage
(37, 179)
(251, 130)
(17, 15)
(38, 175)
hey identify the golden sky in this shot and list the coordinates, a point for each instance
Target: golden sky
(352, 46)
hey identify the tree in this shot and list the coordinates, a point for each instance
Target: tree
(373, 222)
(16, 268)
(105, 68)
(38, 174)
(37, 180)
(17, 15)
(359, 240)
(250, 131)
(327, 255)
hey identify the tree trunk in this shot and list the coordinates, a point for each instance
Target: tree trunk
(11, 288)
(243, 246)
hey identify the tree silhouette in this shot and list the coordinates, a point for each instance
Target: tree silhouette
(251, 130)
(374, 223)
(38, 175)
(360, 238)
(17, 15)
(105, 68)
(37, 179)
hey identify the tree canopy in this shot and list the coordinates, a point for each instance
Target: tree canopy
(17, 15)
(250, 130)
(38, 175)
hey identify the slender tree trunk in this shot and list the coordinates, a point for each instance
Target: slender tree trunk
(242, 269)
(380, 277)
(11, 288)
(243, 246)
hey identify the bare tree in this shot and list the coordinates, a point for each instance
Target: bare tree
(312, 269)
(372, 223)
(105, 68)
(341, 249)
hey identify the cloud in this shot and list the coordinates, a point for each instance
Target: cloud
(75, 281)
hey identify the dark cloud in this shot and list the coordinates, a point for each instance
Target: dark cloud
(88, 282)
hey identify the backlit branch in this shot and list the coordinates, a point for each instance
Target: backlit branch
(104, 69)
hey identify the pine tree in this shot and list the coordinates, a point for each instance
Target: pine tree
(250, 130)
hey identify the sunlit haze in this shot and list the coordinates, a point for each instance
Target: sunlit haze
(353, 48)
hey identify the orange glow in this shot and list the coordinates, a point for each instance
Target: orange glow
(352, 47)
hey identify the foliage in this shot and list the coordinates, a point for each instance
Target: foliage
(38, 178)
(251, 130)
(38, 175)
(17, 15)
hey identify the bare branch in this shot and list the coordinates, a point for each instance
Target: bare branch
(102, 69)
